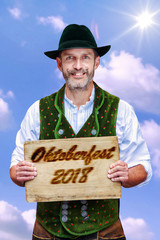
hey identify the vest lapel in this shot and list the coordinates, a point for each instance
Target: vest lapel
(91, 126)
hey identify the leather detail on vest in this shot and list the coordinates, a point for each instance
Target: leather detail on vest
(54, 125)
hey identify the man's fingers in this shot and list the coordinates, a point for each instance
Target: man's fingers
(25, 178)
(25, 164)
(118, 171)
(118, 176)
(118, 163)
(26, 168)
(25, 171)
(119, 179)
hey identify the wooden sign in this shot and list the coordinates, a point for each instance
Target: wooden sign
(72, 169)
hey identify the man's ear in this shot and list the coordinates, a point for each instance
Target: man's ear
(59, 63)
(97, 62)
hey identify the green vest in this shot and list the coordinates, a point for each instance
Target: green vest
(97, 214)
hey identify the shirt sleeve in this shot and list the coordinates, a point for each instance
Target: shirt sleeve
(29, 131)
(132, 146)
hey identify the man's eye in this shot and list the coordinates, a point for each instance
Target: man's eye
(86, 57)
(69, 58)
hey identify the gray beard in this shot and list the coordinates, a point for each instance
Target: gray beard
(74, 86)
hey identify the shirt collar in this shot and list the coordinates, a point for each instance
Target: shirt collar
(86, 105)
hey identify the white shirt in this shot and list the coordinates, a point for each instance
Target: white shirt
(132, 147)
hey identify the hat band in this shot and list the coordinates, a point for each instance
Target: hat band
(76, 44)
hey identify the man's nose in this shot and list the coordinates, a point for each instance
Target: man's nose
(77, 64)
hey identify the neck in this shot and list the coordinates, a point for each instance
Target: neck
(79, 97)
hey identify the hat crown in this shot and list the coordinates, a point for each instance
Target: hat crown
(76, 36)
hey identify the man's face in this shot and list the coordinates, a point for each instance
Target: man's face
(78, 66)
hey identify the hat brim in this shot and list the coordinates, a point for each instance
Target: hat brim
(100, 50)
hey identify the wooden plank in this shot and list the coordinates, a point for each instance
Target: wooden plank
(72, 169)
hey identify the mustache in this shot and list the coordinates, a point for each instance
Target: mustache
(77, 71)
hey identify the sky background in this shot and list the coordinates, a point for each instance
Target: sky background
(131, 70)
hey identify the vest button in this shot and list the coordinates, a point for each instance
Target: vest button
(84, 214)
(60, 131)
(83, 201)
(94, 131)
(64, 218)
(64, 206)
(84, 207)
(64, 212)
(86, 218)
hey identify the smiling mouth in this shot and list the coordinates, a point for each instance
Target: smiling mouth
(78, 74)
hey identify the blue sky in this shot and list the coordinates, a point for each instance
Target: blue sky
(131, 70)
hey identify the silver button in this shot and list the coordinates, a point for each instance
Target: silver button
(60, 131)
(86, 218)
(84, 214)
(64, 212)
(84, 207)
(64, 218)
(94, 131)
(64, 206)
(83, 201)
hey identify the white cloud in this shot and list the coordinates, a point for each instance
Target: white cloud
(18, 225)
(4, 108)
(136, 229)
(29, 216)
(59, 74)
(127, 77)
(5, 115)
(151, 133)
(9, 94)
(56, 22)
(6, 118)
(15, 13)
(14, 224)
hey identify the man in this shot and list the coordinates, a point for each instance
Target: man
(78, 105)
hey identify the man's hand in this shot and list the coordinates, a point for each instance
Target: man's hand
(129, 177)
(119, 172)
(22, 172)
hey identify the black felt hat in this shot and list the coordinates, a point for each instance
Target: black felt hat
(77, 36)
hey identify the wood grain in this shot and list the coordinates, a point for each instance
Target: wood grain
(72, 169)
